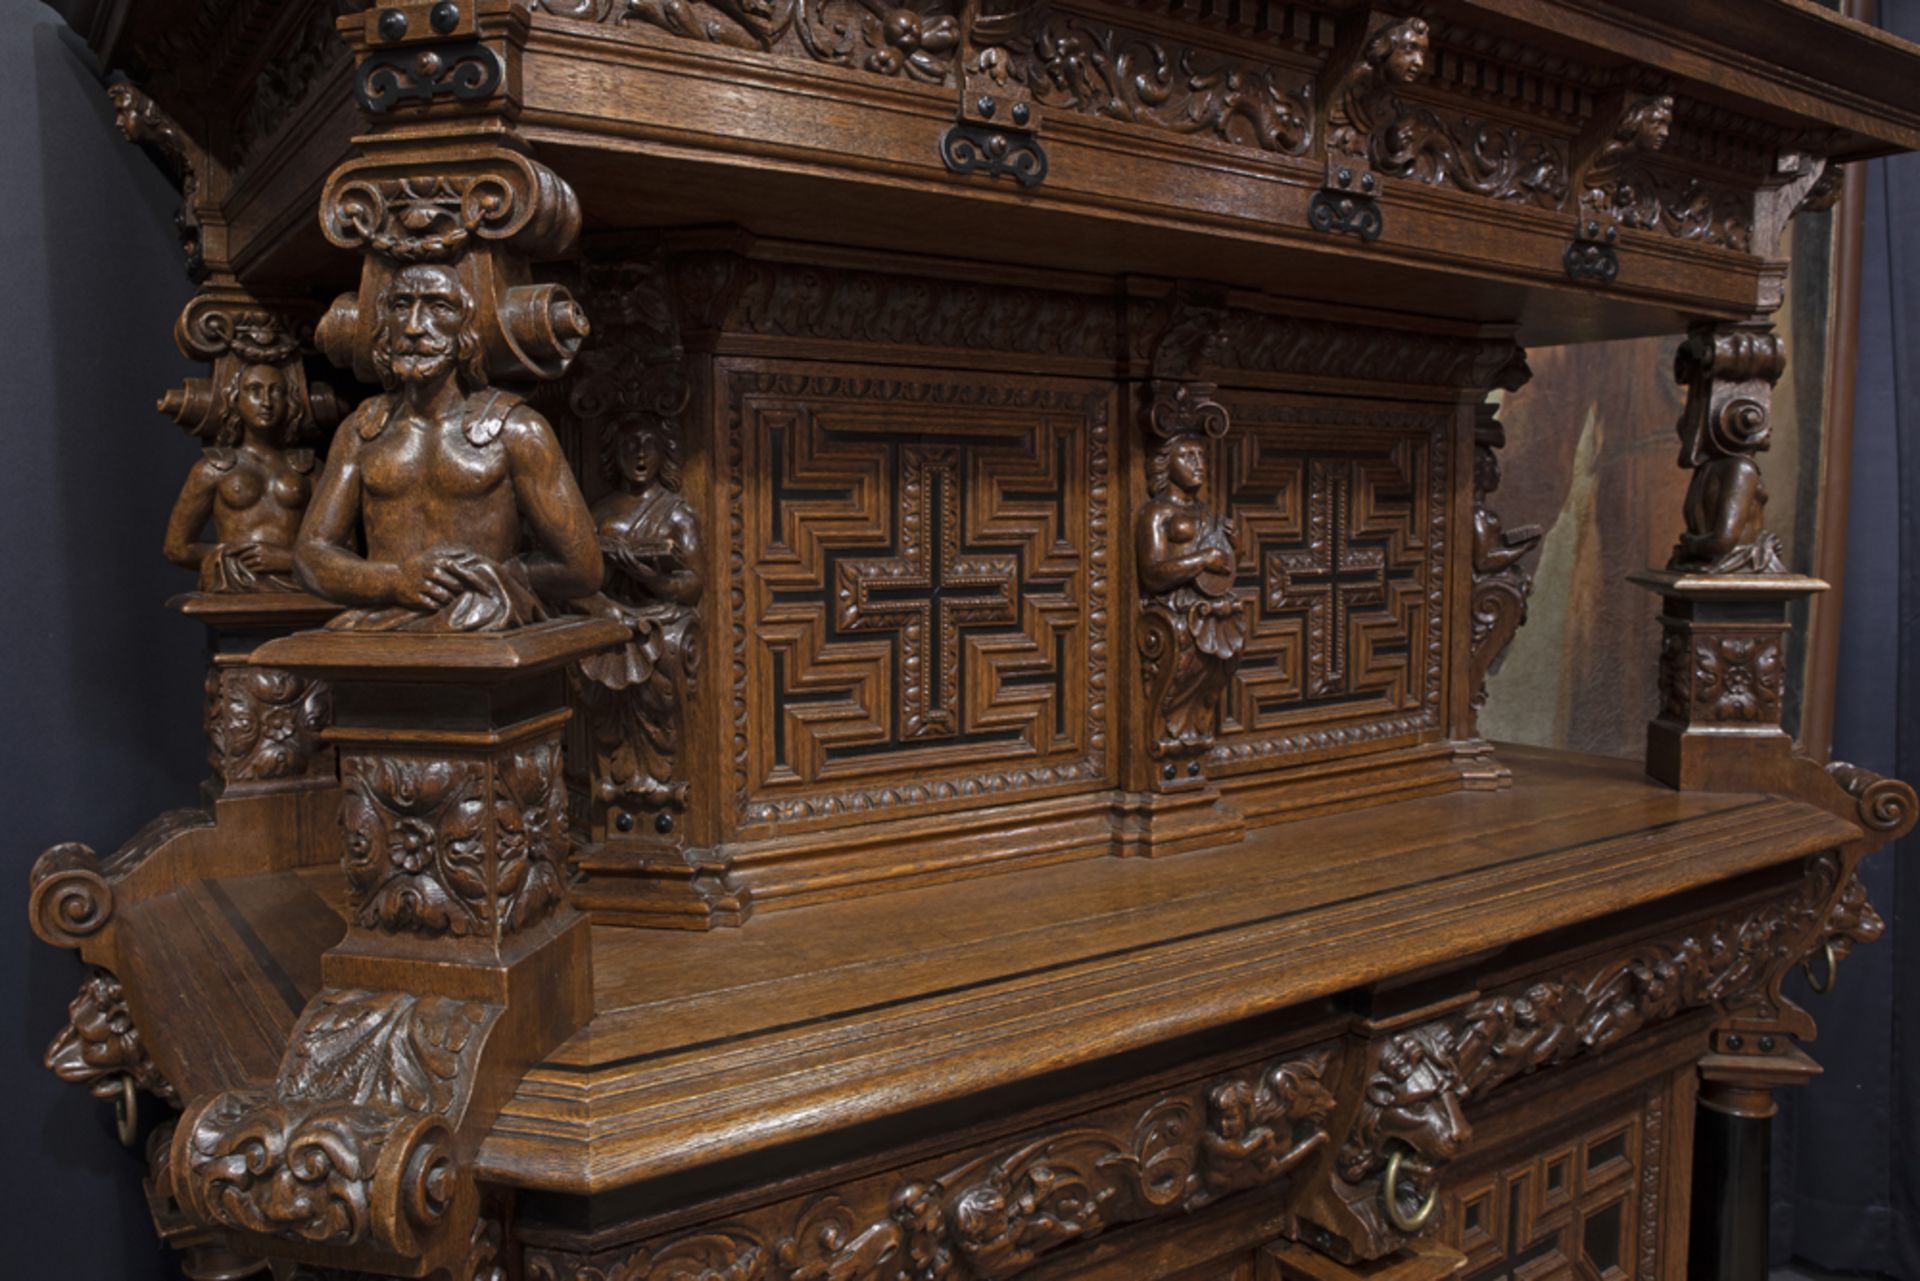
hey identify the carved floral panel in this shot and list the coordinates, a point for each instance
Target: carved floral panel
(1344, 512)
(921, 587)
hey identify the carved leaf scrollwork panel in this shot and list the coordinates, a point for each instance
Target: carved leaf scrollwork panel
(996, 1214)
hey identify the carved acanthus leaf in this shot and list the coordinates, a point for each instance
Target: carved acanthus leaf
(263, 723)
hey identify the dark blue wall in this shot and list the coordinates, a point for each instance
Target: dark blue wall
(102, 709)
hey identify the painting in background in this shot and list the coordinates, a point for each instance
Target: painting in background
(1592, 457)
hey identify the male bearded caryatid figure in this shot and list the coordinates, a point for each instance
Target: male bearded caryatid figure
(438, 475)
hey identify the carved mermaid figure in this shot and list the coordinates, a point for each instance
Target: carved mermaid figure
(650, 539)
(253, 482)
(1196, 624)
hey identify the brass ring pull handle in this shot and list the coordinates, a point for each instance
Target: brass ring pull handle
(126, 1111)
(1390, 1198)
(1823, 986)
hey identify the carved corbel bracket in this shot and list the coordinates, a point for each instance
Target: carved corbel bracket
(484, 209)
(1501, 579)
(1629, 123)
(1363, 117)
(142, 121)
(997, 132)
(1729, 372)
(437, 55)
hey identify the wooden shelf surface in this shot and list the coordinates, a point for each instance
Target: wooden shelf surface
(815, 1019)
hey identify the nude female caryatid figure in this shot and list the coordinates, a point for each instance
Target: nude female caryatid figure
(252, 483)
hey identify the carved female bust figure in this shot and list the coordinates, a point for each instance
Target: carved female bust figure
(253, 483)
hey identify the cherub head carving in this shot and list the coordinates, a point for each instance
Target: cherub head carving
(1399, 52)
(1648, 123)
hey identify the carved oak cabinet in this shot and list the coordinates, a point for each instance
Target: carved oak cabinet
(845, 641)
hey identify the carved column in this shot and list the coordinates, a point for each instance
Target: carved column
(448, 523)
(1726, 589)
(1191, 624)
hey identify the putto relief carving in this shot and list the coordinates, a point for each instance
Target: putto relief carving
(101, 1048)
(1729, 372)
(1193, 622)
(258, 418)
(1371, 127)
(998, 1213)
(446, 503)
(1608, 175)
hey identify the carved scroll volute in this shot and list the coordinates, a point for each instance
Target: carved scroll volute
(1501, 579)
(1362, 117)
(1729, 372)
(1192, 621)
(487, 214)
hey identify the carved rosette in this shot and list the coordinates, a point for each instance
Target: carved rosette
(1419, 1080)
(1729, 372)
(451, 845)
(999, 1212)
(100, 1047)
(263, 724)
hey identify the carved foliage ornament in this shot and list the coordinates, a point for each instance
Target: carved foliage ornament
(995, 1215)
(448, 845)
(353, 1145)
(263, 723)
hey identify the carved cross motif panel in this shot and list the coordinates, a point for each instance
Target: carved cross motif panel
(920, 595)
(1344, 510)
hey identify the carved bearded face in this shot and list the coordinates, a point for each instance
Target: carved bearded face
(427, 330)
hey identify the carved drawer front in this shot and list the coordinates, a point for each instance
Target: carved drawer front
(1583, 1205)
(922, 568)
(1342, 508)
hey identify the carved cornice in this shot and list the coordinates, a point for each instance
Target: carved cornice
(1008, 1206)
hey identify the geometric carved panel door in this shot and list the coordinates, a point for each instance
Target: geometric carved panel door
(921, 575)
(1343, 512)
